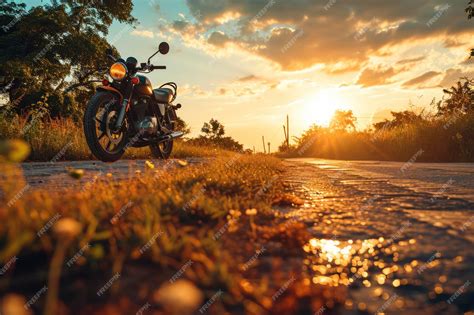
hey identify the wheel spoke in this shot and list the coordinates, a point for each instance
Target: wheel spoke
(107, 147)
(101, 136)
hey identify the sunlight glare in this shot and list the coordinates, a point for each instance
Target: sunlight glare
(320, 107)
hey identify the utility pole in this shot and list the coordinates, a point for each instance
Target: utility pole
(288, 131)
(269, 148)
(263, 141)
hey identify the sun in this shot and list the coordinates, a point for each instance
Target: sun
(321, 106)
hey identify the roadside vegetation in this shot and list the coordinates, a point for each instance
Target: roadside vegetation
(170, 239)
(63, 139)
(445, 134)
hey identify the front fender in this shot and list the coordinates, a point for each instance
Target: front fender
(111, 89)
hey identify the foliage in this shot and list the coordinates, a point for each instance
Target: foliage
(213, 135)
(48, 137)
(447, 136)
(399, 119)
(181, 125)
(460, 98)
(343, 121)
(41, 48)
(470, 9)
(470, 15)
(213, 129)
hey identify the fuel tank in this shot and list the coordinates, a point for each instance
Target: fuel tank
(144, 87)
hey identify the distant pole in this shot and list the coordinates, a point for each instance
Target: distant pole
(263, 141)
(286, 135)
(269, 148)
(288, 131)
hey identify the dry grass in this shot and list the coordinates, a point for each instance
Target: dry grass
(185, 214)
(449, 139)
(48, 138)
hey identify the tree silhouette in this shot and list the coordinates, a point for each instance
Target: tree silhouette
(213, 129)
(460, 98)
(343, 121)
(46, 48)
(470, 14)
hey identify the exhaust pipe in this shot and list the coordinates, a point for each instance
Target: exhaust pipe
(173, 135)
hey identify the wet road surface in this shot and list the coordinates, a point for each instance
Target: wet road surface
(398, 236)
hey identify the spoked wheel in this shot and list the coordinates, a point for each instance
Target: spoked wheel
(163, 150)
(106, 143)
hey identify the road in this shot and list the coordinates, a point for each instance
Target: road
(398, 236)
(55, 176)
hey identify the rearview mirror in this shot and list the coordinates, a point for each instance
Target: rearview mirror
(164, 48)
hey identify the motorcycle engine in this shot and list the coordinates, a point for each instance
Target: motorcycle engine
(145, 124)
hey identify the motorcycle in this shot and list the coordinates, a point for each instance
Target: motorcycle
(127, 112)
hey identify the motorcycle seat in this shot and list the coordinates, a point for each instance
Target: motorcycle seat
(163, 95)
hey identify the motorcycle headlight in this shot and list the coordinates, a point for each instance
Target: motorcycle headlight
(118, 71)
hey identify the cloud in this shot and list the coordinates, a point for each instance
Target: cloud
(410, 60)
(349, 31)
(421, 79)
(450, 42)
(453, 75)
(218, 39)
(250, 77)
(143, 33)
(377, 76)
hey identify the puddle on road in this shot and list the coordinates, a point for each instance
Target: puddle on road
(378, 272)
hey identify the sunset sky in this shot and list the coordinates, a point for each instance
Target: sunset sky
(248, 63)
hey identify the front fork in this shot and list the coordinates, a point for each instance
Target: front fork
(124, 107)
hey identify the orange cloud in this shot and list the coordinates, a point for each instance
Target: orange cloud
(421, 79)
(377, 76)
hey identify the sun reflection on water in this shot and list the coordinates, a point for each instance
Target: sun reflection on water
(335, 263)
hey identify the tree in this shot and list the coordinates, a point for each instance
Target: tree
(460, 98)
(343, 121)
(470, 15)
(213, 129)
(46, 48)
(213, 135)
(182, 126)
(399, 119)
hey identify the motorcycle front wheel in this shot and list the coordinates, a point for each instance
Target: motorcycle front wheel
(105, 143)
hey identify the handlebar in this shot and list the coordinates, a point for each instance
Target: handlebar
(152, 67)
(148, 68)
